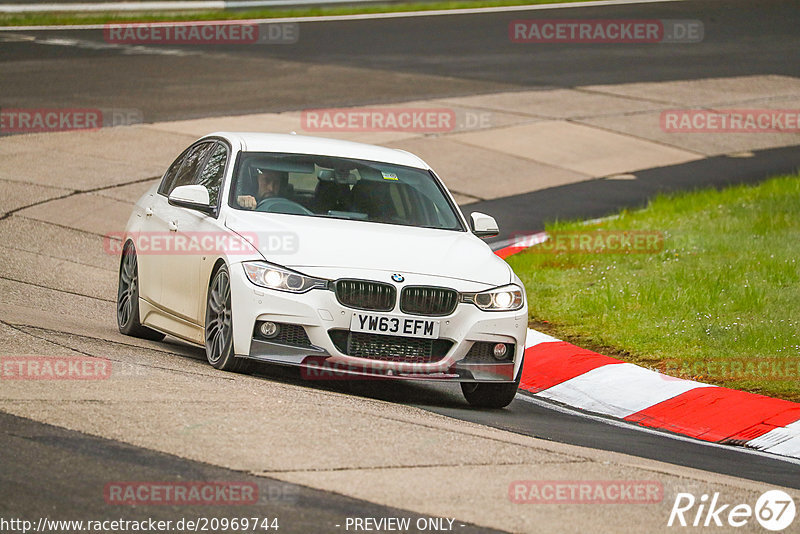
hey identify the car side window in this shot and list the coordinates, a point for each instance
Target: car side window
(169, 176)
(212, 174)
(187, 173)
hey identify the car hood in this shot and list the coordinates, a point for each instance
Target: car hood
(297, 242)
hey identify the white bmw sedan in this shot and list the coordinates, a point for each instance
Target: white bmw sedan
(348, 260)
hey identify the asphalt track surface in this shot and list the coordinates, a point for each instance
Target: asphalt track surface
(382, 61)
(359, 62)
(57, 473)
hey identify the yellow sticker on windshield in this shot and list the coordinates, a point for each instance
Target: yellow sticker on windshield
(389, 175)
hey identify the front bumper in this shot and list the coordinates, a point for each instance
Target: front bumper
(319, 313)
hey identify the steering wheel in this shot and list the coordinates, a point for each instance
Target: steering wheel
(281, 205)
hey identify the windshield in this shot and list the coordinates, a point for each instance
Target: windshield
(341, 188)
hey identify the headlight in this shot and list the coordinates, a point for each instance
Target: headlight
(506, 298)
(273, 277)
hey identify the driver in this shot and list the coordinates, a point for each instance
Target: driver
(269, 183)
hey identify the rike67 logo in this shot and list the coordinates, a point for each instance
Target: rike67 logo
(774, 510)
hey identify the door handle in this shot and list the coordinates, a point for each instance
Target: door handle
(148, 211)
(173, 226)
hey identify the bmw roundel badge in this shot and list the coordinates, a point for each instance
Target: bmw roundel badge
(397, 277)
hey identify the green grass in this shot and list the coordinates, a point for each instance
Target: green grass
(37, 19)
(723, 291)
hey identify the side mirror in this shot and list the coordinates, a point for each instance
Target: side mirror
(194, 197)
(483, 225)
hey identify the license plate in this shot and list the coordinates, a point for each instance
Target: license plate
(394, 325)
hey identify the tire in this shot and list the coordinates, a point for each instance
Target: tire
(128, 298)
(219, 325)
(488, 395)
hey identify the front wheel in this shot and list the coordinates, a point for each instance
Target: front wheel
(219, 325)
(488, 395)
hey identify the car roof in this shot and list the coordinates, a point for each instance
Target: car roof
(303, 144)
